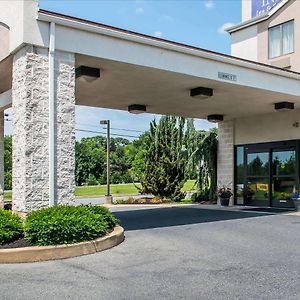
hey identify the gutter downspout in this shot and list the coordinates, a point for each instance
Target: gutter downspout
(52, 200)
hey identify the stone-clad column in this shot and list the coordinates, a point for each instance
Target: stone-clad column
(226, 155)
(30, 143)
(65, 126)
(1, 158)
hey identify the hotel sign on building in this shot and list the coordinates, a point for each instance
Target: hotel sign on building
(262, 6)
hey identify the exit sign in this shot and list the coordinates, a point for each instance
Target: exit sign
(262, 6)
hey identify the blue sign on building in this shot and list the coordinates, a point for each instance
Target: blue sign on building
(262, 6)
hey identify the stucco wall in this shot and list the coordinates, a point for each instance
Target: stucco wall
(11, 14)
(4, 40)
(246, 10)
(289, 11)
(277, 126)
(244, 43)
(20, 16)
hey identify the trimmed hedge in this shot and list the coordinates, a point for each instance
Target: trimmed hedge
(68, 224)
(11, 227)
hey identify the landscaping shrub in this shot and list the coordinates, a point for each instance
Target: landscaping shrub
(68, 224)
(107, 215)
(11, 227)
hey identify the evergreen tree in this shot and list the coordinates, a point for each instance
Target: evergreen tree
(204, 158)
(165, 159)
(7, 162)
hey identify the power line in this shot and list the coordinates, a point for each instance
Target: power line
(114, 128)
(124, 129)
(121, 129)
(103, 133)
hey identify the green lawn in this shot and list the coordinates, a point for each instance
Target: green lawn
(116, 189)
(119, 189)
(7, 195)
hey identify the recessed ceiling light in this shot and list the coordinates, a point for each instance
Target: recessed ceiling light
(201, 92)
(137, 108)
(284, 106)
(87, 73)
(215, 118)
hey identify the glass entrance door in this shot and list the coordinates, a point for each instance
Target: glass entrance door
(284, 179)
(270, 174)
(257, 178)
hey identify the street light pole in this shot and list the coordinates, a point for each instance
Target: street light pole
(107, 158)
(108, 195)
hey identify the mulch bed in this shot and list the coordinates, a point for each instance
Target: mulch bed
(144, 200)
(16, 244)
(208, 202)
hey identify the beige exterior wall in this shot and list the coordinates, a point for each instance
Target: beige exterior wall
(290, 11)
(20, 16)
(244, 43)
(277, 126)
(4, 40)
(246, 10)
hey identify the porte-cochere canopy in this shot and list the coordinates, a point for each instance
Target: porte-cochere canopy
(38, 79)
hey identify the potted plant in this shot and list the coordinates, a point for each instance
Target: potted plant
(224, 193)
(296, 200)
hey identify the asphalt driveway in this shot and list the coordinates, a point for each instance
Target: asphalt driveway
(175, 253)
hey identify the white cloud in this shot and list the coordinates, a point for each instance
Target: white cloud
(221, 29)
(209, 4)
(158, 34)
(139, 10)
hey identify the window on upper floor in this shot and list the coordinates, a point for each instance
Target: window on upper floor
(281, 39)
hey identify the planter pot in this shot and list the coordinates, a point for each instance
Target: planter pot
(224, 201)
(297, 203)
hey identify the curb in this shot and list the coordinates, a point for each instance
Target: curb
(296, 213)
(44, 253)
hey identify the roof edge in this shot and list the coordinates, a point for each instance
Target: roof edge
(257, 19)
(86, 25)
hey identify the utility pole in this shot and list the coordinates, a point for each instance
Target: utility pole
(109, 198)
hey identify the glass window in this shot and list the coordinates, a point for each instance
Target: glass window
(239, 185)
(275, 44)
(283, 188)
(281, 39)
(288, 38)
(258, 164)
(284, 163)
(257, 189)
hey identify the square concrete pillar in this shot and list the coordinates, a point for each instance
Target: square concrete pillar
(30, 141)
(225, 168)
(1, 159)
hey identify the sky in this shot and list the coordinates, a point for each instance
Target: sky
(198, 23)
